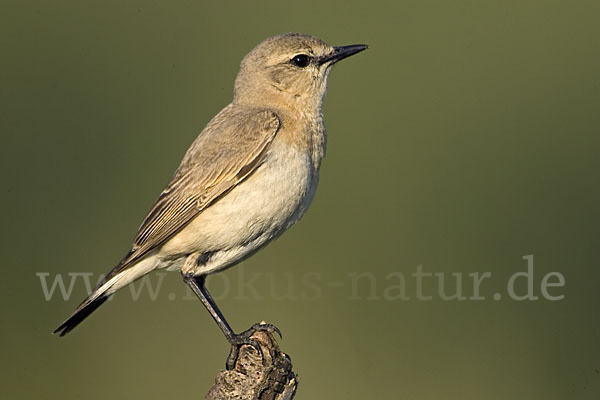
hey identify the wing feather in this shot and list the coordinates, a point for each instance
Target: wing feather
(227, 151)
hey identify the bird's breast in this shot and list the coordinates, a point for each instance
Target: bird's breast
(306, 133)
(279, 191)
(255, 211)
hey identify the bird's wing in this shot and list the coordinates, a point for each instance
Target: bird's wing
(229, 149)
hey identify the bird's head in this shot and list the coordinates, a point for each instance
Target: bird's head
(289, 71)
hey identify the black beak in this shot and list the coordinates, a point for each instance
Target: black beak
(341, 52)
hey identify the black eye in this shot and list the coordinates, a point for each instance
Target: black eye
(301, 60)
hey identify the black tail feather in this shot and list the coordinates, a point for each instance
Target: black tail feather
(81, 313)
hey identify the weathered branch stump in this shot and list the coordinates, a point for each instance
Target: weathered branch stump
(256, 377)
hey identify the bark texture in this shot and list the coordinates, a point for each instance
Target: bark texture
(256, 377)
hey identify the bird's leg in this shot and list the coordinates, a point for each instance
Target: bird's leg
(197, 283)
(198, 286)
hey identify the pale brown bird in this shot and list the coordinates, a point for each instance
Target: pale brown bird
(250, 175)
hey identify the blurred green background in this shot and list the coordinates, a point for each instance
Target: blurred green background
(465, 138)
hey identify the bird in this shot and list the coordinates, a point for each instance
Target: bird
(251, 174)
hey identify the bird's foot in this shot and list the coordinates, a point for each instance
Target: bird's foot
(245, 338)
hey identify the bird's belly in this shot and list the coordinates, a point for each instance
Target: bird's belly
(253, 213)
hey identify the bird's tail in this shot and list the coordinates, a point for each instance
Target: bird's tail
(88, 306)
(116, 279)
(99, 295)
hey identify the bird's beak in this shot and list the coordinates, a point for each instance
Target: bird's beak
(341, 52)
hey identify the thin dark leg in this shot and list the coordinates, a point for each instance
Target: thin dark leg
(198, 285)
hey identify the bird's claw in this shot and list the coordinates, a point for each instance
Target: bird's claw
(264, 327)
(245, 338)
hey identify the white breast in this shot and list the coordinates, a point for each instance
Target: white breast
(256, 211)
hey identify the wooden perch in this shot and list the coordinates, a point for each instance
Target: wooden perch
(256, 377)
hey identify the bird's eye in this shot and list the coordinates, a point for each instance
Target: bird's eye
(301, 60)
